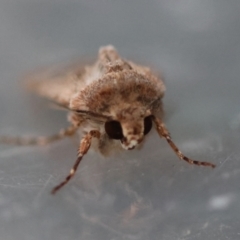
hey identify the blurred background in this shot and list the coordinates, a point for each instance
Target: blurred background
(135, 195)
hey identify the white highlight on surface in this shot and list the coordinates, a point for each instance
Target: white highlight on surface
(235, 122)
(221, 202)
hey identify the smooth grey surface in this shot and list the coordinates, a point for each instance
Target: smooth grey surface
(147, 194)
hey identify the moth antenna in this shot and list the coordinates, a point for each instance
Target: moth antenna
(83, 149)
(25, 141)
(93, 115)
(163, 132)
(56, 106)
(97, 116)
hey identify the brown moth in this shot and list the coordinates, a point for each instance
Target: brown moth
(114, 101)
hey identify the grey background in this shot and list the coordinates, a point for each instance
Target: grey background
(147, 194)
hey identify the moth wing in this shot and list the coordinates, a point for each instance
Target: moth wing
(57, 83)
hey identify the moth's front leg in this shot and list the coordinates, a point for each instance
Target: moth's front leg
(163, 132)
(82, 150)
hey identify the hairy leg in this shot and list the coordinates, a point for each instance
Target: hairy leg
(82, 150)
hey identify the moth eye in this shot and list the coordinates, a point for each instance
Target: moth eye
(114, 129)
(147, 124)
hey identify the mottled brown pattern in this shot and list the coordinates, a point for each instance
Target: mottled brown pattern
(118, 89)
(112, 90)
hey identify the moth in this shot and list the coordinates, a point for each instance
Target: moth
(113, 101)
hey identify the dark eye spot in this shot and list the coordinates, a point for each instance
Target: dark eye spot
(147, 124)
(114, 130)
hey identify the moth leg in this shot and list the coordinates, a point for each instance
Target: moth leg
(24, 141)
(82, 150)
(163, 132)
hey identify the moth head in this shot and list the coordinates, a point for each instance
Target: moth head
(129, 129)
